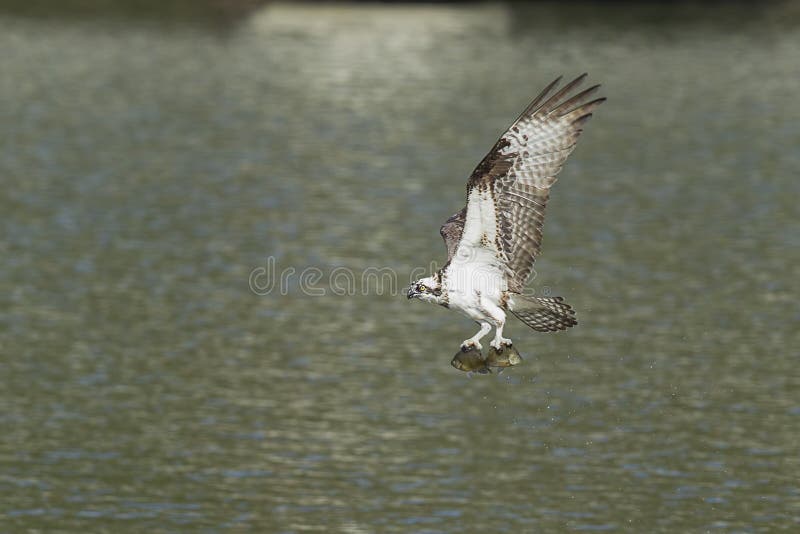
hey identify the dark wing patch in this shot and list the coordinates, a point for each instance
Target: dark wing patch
(451, 231)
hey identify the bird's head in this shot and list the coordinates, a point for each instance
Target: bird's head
(428, 289)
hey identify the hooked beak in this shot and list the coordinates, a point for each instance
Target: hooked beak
(411, 293)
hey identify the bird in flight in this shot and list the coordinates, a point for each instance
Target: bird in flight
(493, 241)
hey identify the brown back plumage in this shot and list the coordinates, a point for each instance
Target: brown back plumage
(451, 231)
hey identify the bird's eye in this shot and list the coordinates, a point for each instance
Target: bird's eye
(422, 288)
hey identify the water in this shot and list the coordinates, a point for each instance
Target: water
(151, 163)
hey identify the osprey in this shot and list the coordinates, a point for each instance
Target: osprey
(493, 241)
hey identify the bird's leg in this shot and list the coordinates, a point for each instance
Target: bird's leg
(499, 340)
(499, 318)
(475, 341)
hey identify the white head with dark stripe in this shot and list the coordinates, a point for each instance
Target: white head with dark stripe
(428, 289)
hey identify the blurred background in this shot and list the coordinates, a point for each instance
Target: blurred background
(155, 154)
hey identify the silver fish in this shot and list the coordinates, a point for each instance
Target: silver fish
(507, 356)
(470, 361)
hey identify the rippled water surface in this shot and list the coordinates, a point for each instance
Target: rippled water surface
(151, 163)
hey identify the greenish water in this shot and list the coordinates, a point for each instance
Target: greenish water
(149, 167)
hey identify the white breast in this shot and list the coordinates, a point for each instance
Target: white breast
(467, 282)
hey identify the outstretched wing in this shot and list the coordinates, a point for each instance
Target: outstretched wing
(451, 231)
(508, 190)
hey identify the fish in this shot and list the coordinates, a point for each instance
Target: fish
(507, 356)
(470, 361)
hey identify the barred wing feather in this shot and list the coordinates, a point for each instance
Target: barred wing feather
(519, 171)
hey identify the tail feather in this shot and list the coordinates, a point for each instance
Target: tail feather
(543, 314)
